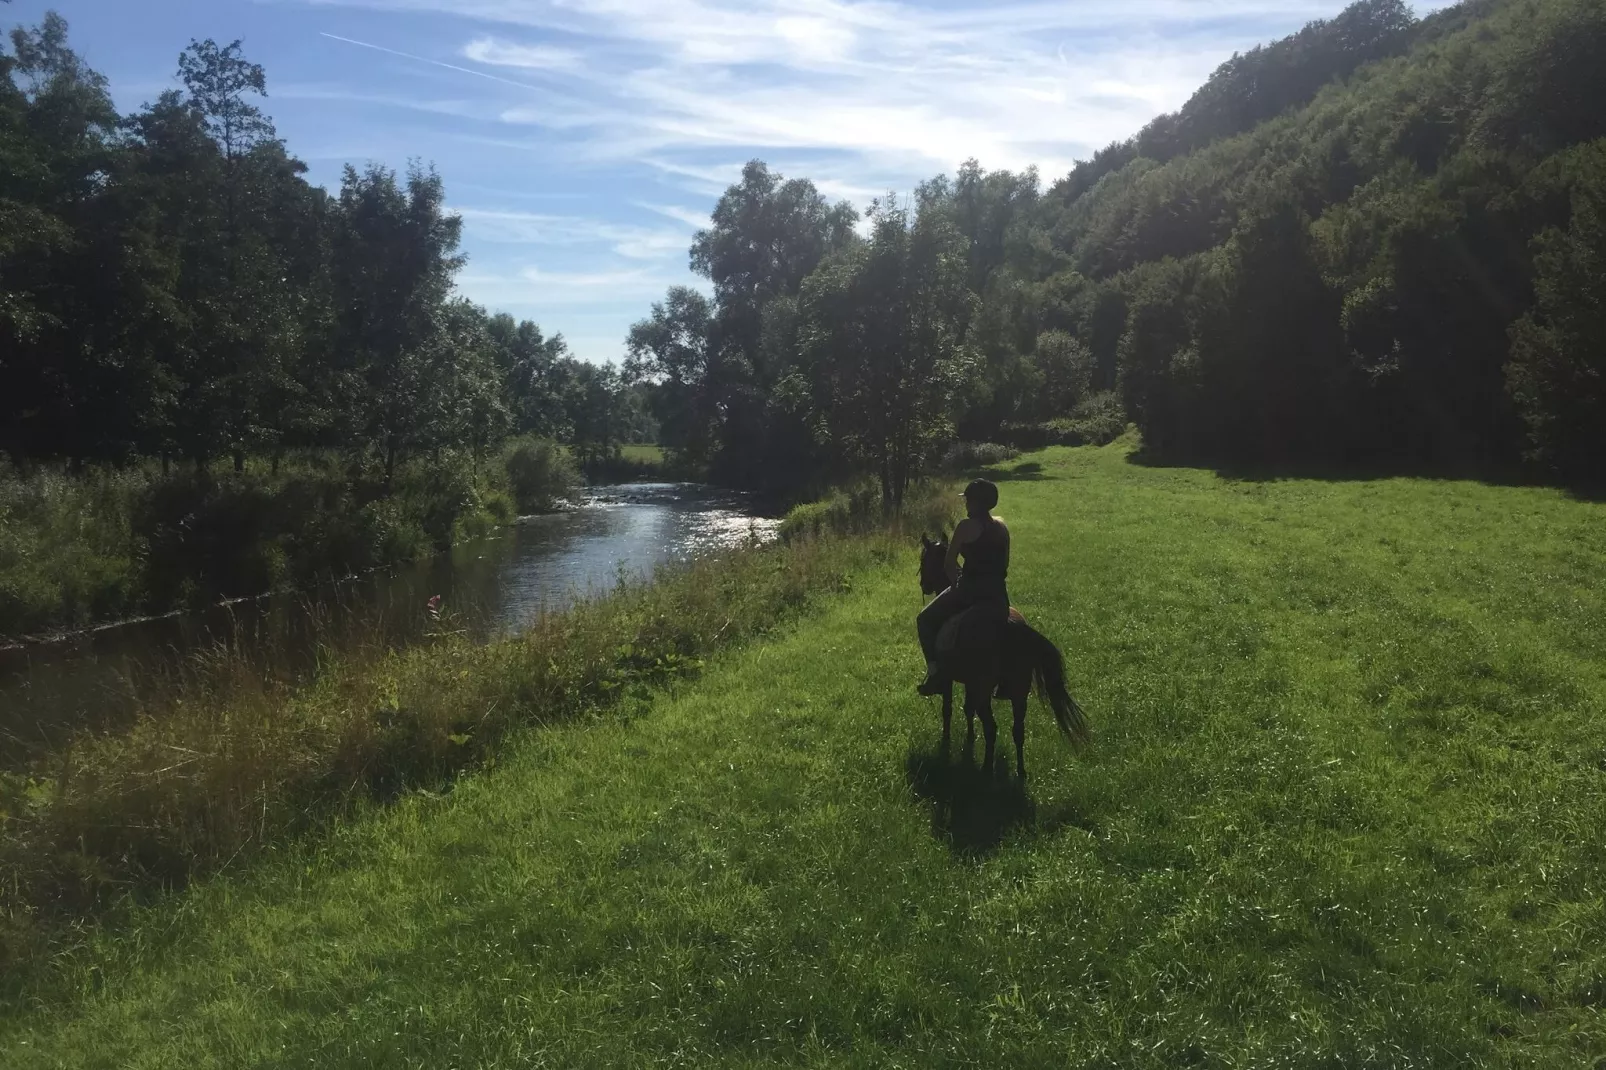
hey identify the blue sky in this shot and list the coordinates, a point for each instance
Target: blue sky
(584, 141)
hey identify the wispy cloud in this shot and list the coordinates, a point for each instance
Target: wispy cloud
(689, 216)
(894, 91)
(658, 103)
(489, 50)
(533, 228)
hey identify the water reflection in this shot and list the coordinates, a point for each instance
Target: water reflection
(490, 587)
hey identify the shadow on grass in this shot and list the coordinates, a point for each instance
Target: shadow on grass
(1508, 475)
(973, 813)
(1031, 471)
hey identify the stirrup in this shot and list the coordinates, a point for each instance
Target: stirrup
(933, 684)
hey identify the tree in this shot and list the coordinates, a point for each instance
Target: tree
(880, 336)
(59, 392)
(672, 349)
(535, 373)
(1558, 350)
(394, 255)
(766, 234)
(1067, 369)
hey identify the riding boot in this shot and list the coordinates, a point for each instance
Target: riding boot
(933, 684)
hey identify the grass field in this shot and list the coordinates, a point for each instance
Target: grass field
(642, 453)
(1344, 807)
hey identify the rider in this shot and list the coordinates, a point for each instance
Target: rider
(983, 541)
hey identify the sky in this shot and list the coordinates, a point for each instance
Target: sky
(584, 142)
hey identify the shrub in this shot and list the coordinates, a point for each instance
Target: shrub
(1098, 419)
(963, 456)
(539, 474)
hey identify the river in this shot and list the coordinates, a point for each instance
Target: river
(488, 587)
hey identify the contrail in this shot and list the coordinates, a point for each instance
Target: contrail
(422, 59)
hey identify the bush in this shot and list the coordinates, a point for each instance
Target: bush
(1097, 420)
(539, 474)
(963, 456)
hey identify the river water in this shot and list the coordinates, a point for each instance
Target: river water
(489, 587)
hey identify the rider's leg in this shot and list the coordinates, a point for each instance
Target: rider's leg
(928, 624)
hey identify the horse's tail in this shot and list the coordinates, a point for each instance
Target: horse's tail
(1048, 669)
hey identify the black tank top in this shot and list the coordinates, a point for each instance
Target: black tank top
(986, 558)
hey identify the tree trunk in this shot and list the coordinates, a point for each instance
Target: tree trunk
(239, 461)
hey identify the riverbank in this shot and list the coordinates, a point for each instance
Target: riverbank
(1341, 809)
(240, 755)
(109, 544)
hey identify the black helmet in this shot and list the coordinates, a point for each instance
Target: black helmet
(982, 492)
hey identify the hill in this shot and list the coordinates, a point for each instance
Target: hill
(1372, 240)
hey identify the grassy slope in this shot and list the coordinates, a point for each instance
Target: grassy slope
(1344, 808)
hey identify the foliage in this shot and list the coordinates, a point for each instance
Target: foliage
(964, 456)
(1358, 272)
(110, 542)
(539, 474)
(880, 338)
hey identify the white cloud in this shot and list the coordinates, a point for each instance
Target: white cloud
(689, 216)
(534, 228)
(898, 92)
(496, 53)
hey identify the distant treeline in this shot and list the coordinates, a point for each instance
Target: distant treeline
(1381, 239)
(171, 286)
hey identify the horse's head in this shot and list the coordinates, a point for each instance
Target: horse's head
(933, 555)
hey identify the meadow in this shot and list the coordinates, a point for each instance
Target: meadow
(1342, 808)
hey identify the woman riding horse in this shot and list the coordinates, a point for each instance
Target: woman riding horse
(983, 541)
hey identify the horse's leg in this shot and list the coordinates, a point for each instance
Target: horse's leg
(947, 717)
(970, 718)
(1019, 702)
(989, 727)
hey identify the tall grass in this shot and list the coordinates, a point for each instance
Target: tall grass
(104, 544)
(68, 550)
(233, 759)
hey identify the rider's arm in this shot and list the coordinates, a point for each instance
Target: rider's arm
(962, 536)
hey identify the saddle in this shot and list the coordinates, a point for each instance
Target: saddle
(976, 628)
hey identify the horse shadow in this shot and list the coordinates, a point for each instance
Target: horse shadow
(975, 813)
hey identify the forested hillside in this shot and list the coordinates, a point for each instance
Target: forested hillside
(1378, 240)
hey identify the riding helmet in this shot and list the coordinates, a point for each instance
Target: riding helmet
(982, 492)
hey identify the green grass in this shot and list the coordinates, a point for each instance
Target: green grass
(1343, 808)
(642, 453)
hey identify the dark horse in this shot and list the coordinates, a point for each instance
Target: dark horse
(1005, 659)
